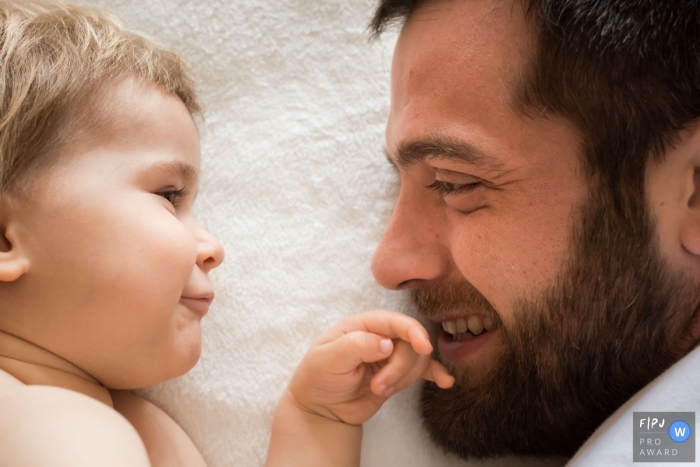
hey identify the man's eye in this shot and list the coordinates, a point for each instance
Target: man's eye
(174, 197)
(446, 188)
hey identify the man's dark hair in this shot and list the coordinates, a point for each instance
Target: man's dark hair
(626, 73)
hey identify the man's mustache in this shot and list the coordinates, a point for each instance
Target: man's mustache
(452, 299)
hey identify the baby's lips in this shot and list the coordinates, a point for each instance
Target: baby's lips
(199, 290)
(207, 296)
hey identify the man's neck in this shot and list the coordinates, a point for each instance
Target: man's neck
(32, 364)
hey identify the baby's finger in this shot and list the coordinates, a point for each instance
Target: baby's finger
(437, 373)
(403, 367)
(391, 324)
(352, 350)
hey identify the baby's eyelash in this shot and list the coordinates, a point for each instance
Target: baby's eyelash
(446, 188)
(174, 197)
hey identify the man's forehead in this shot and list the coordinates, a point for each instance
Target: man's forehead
(456, 66)
(425, 10)
(445, 40)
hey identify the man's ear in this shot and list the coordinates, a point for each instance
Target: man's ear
(690, 227)
(13, 262)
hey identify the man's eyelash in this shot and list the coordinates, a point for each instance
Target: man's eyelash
(174, 197)
(446, 188)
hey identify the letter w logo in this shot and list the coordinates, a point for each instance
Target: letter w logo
(680, 432)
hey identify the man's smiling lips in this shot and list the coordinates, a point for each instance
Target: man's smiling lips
(465, 335)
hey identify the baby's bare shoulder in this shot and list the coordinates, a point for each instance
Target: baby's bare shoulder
(54, 427)
(166, 442)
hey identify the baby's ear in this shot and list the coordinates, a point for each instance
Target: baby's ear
(13, 261)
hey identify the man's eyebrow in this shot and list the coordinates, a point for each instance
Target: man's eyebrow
(410, 152)
(183, 170)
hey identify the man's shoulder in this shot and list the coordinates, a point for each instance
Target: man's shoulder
(675, 390)
(49, 426)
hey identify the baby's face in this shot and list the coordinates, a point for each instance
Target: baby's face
(118, 268)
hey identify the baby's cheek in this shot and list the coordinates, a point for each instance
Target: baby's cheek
(185, 256)
(175, 255)
(175, 264)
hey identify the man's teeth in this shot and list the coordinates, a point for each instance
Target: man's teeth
(488, 323)
(475, 325)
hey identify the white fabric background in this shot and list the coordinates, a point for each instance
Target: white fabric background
(296, 186)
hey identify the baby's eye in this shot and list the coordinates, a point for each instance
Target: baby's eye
(174, 197)
(446, 188)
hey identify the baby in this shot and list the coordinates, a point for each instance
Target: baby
(104, 271)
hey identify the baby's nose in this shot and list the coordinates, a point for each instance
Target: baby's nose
(210, 251)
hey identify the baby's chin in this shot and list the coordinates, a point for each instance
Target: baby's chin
(175, 363)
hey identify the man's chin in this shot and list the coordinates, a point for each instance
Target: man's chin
(489, 412)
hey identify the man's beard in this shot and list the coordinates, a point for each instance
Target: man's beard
(612, 321)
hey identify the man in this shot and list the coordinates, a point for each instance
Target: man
(549, 212)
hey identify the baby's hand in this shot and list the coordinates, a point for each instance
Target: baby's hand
(350, 371)
(342, 381)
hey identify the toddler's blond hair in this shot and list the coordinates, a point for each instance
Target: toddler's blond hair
(54, 58)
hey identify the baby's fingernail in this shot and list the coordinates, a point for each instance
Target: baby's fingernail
(387, 391)
(385, 345)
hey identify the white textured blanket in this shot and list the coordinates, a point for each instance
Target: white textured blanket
(296, 186)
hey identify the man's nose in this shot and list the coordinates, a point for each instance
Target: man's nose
(210, 252)
(413, 250)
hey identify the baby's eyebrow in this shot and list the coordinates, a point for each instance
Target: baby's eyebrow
(183, 170)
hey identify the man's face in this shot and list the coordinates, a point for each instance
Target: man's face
(507, 245)
(496, 207)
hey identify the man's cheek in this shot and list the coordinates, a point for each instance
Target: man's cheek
(477, 260)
